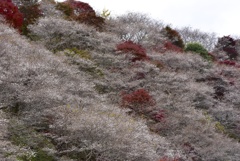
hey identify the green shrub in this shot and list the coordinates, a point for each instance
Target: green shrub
(198, 48)
(76, 52)
(103, 89)
(94, 71)
(39, 155)
(220, 128)
(22, 135)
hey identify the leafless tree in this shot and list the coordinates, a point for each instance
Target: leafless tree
(190, 35)
(137, 27)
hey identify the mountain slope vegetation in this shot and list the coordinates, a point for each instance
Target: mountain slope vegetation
(78, 86)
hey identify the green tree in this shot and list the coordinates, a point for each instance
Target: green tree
(198, 48)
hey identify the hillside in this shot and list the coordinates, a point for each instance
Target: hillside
(78, 86)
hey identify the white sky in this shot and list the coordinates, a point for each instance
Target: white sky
(219, 16)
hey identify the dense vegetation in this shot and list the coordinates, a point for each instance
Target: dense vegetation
(78, 86)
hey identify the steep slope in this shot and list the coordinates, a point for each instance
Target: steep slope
(70, 93)
(54, 112)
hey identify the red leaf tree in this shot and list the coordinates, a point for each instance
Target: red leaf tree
(137, 99)
(130, 47)
(171, 47)
(11, 13)
(81, 12)
(228, 44)
(80, 7)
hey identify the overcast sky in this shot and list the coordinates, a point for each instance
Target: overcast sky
(219, 16)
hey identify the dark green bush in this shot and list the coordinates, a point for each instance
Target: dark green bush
(30, 14)
(174, 37)
(198, 48)
(40, 155)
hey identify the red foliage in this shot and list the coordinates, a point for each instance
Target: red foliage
(228, 45)
(159, 116)
(81, 12)
(137, 50)
(226, 41)
(231, 52)
(169, 46)
(138, 98)
(90, 18)
(228, 62)
(80, 7)
(11, 13)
